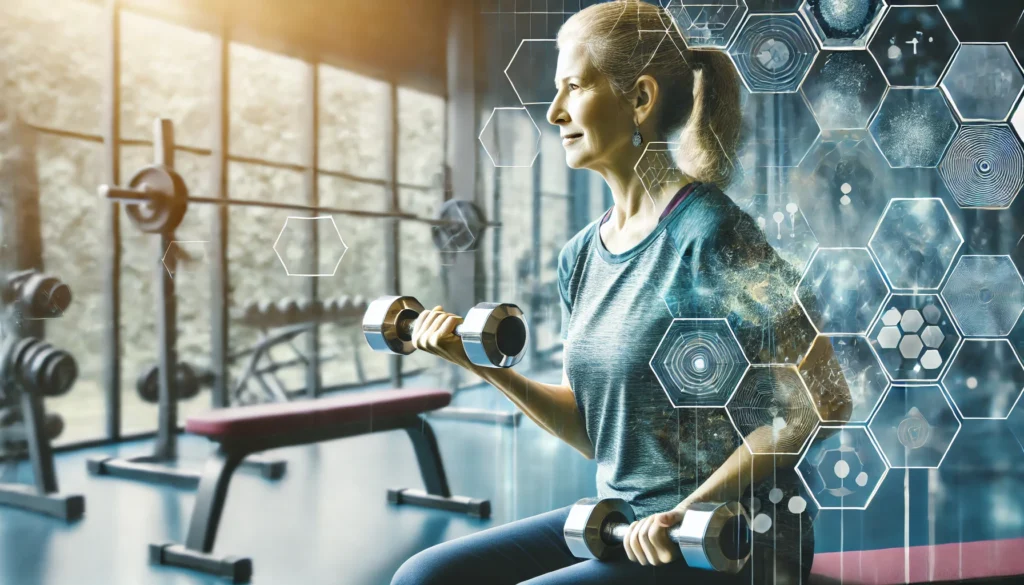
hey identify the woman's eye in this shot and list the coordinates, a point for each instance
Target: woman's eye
(573, 86)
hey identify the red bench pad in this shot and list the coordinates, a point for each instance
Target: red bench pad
(287, 417)
(921, 564)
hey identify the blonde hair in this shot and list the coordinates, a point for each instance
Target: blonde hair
(623, 41)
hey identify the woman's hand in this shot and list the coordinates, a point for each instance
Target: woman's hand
(647, 542)
(434, 332)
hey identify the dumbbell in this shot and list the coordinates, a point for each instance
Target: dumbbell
(712, 536)
(494, 335)
(189, 382)
(37, 365)
(13, 431)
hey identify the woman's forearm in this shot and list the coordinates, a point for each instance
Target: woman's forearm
(741, 470)
(551, 406)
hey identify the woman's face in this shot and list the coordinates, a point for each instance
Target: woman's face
(596, 124)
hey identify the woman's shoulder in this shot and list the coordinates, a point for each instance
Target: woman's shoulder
(707, 212)
(571, 250)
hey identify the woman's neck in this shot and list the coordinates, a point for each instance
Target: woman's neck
(632, 201)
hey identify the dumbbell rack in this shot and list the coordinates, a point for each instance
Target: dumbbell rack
(159, 467)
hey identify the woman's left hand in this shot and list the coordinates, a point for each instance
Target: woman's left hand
(647, 541)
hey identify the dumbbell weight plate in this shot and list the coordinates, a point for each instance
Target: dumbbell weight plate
(380, 319)
(166, 210)
(55, 371)
(583, 528)
(495, 333)
(714, 536)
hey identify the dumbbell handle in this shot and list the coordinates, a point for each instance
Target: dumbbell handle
(115, 193)
(615, 533)
(406, 326)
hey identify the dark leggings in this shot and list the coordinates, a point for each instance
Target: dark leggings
(532, 551)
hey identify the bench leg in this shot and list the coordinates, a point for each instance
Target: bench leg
(202, 530)
(437, 495)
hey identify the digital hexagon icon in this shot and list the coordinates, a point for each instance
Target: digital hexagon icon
(777, 131)
(842, 290)
(773, 400)
(843, 24)
(914, 337)
(983, 82)
(915, 242)
(699, 363)
(707, 24)
(292, 247)
(985, 295)
(844, 89)
(914, 426)
(842, 468)
(983, 167)
(985, 379)
(856, 365)
(913, 127)
(657, 166)
(510, 137)
(773, 52)
(531, 71)
(913, 45)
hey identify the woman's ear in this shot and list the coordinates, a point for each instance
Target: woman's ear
(645, 97)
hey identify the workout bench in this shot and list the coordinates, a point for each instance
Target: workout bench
(245, 430)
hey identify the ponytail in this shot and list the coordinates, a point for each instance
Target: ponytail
(712, 132)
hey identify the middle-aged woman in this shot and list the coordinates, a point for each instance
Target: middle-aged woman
(681, 250)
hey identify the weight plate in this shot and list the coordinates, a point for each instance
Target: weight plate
(164, 212)
(464, 224)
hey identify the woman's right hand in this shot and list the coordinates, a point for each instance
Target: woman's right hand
(433, 331)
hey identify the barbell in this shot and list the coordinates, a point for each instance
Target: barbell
(187, 383)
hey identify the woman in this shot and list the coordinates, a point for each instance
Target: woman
(685, 248)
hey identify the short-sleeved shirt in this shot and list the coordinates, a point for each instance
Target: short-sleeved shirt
(705, 258)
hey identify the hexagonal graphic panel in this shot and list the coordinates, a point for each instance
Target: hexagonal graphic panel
(531, 71)
(842, 468)
(913, 45)
(778, 129)
(913, 127)
(785, 228)
(292, 246)
(914, 337)
(984, 167)
(855, 364)
(510, 138)
(707, 24)
(914, 426)
(985, 379)
(770, 6)
(699, 362)
(983, 82)
(773, 400)
(773, 52)
(657, 167)
(915, 242)
(985, 295)
(843, 186)
(842, 290)
(846, 24)
(844, 89)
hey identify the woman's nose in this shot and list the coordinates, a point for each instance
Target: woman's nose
(556, 113)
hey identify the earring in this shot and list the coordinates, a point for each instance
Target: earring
(638, 138)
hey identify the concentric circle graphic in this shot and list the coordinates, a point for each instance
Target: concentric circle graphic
(984, 166)
(773, 52)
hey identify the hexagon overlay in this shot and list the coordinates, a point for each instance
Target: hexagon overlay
(773, 52)
(915, 242)
(785, 228)
(914, 426)
(847, 24)
(983, 82)
(531, 71)
(843, 186)
(292, 245)
(707, 24)
(510, 138)
(844, 89)
(842, 290)
(913, 127)
(699, 362)
(778, 129)
(985, 379)
(767, 6)
(985, 295)
(858, 367)
(774, 397)
(657, 166)
(984, 166)
(913, 45)
(914, 337)
(842, 468)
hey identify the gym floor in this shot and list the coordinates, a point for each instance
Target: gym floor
(327, 521)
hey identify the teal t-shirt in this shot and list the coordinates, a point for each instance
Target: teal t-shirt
(706, 258)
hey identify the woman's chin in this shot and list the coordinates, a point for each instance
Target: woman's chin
(575, 161)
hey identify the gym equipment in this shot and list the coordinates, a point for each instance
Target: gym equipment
(494, 335)
(188, 379)
(164, 200)
(460, 225)
(712, 536)
(36, 295)
(30, 370)
(267, 314)
(14, 434)
(251, 429)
